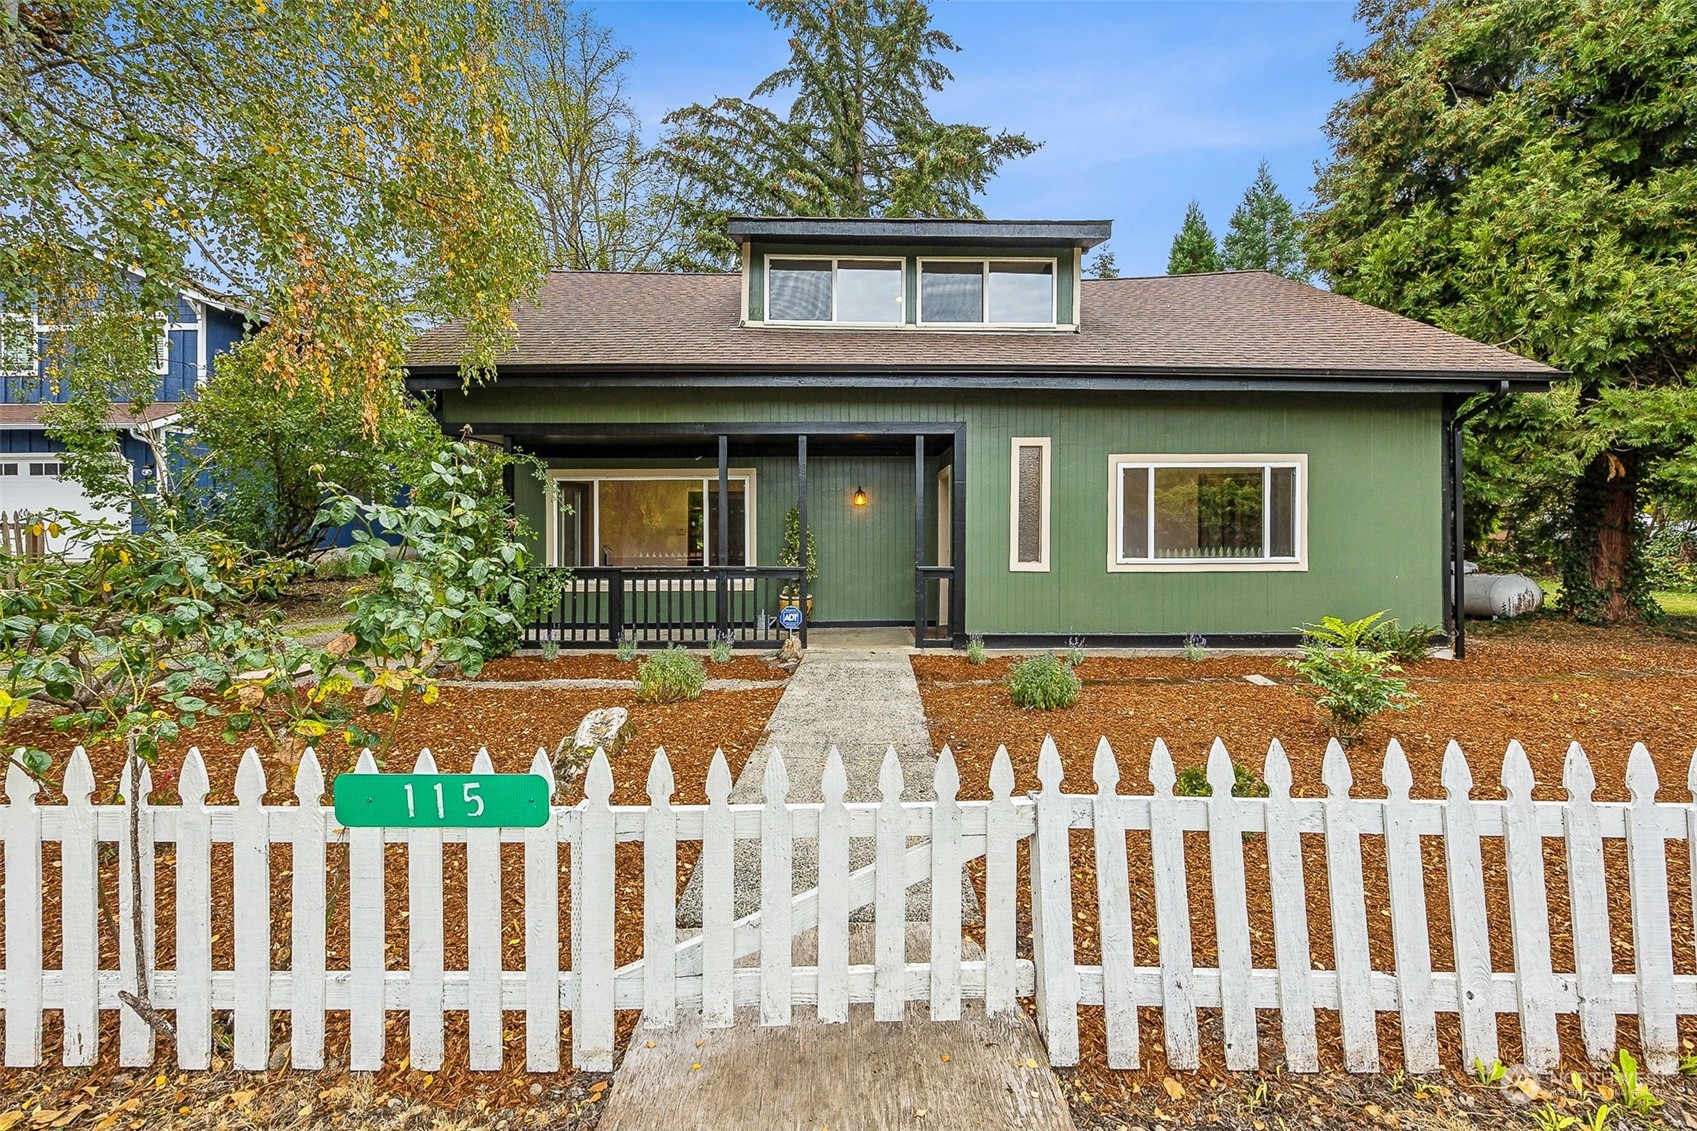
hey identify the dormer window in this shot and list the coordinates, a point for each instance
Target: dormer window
(865, 292)
(1013, 292)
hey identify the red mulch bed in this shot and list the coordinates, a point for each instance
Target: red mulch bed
(605, 665)
(1546, 687)
(512, 724)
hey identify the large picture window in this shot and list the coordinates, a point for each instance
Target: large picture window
(860, 291)
(994, 292)
(1207, 512)
(648, 520)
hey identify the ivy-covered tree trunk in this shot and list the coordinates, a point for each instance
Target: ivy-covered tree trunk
(1602, 578)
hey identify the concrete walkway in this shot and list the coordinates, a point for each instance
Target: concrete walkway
(863, 701)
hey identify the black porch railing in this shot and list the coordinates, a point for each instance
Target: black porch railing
(600, 605)
(933, 607)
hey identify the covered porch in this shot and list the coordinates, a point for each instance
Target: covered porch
(674, 533)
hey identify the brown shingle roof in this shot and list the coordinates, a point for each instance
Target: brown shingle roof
(1244, 323)
(29, 415)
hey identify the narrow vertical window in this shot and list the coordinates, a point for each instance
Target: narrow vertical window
(1029, 512)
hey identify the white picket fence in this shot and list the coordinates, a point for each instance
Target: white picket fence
(914, 842)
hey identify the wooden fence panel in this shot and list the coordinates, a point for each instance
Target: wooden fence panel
(1231, 913)
(308, 857)
(1652, 934)
(1113, 898)
(1470, 928)
(483, 937)
(1001, 875)
(1172, 915)
(659, 897)
(23, 920)
(1588, 903)
(1410, 936)
(945, 956)
(889, 916)
(1347, 891)
(776, 879)
(1292, 953)
(1529, 915)
(193, 1019)
(366, 927)
(79, 915)
(833, 927)
(542, 1002)
(135, 1036)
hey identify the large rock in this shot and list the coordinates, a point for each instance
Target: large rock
(605, 728)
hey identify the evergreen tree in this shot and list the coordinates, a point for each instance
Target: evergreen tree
(1263, 234)
(858, 138)
(1525, 173)
(1102, 266)
(1194, 249)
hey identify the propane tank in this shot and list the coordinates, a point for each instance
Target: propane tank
(1501, 595)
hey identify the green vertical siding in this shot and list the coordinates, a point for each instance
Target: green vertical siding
(1374, 500)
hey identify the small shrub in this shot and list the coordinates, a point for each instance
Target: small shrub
(550, 651)
(975, 650)
(720, 650)
(1043, 683)
(1406, 645)
(1075, 651)
(1350, 677)
(1196, 647)
(626, 652)
(670, 677)
(1635, 1095)
(1193, 782)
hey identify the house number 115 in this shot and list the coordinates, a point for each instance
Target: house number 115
(468, 793)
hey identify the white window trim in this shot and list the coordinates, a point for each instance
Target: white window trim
(1116, 512)
(834, 261)
(1054, 322)
(34, 369)
(1041, 565)
(551, 519)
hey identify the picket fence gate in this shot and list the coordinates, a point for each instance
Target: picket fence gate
(914, 841)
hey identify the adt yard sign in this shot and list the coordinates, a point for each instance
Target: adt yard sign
(439, 801)
(789, 617)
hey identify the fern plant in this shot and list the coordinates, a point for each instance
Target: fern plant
(1350, 677)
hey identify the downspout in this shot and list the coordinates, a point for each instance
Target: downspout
(1458, 532)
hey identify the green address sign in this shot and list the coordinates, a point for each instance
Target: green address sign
(435, 801)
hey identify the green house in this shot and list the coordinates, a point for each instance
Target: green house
(976, 440)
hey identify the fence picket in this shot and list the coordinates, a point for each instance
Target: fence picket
(1172, 915)
(659, 898)
(833, 927)
(1001, 875)
(717, 994)
(592, 861)
(135, 1035)
(1410, 936)
(1347, 890)
(1113, 900)
(483, 936)
(1231, 912)
(79, 915)
(776, 888)
(23, 919)
(1051, 913)
(306, 924)
(1652, 934)
(945, 891)
(424, 939)
(542, 933)
(1470, 929)
(889, 920)
(1587, 900)
(252, 871)
(366, 922)
(1529, 915)
(1290, 916)
(193, 1019)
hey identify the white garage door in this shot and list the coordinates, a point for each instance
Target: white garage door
(34, 483)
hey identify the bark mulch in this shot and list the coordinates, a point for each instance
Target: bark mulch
(512, 724)
(605, 665)
(1546, 687)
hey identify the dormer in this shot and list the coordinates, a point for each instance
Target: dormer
(914, 276)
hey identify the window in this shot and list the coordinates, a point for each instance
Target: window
(1028, 520)
(8, 469)
(1015, 292)
(648, 519)
(17, 345)
(53, 469)
(162, 349)
(863, 291)
(1207, 512)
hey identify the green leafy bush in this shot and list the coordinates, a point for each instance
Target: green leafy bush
(670, 677)
(626, 651)
(1406, 645)
(1349, 675)
(1193, 782)
(1043, 683)
(542, 588)
(975, 650)
(1670, 559)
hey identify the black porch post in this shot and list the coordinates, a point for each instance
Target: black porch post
(1458, 538)
(957, 540)
(723, 534)
(801, 521)
(918, 541)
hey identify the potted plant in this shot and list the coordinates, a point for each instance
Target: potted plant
(790, 555)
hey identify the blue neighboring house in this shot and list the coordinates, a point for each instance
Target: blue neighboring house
(201, 327)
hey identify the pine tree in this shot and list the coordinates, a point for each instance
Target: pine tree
(1194, 249)
(858, 138)
(1263, 235)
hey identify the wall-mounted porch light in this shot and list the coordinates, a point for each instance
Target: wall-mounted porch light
(860, 496)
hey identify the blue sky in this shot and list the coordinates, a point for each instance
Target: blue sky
(1140, 104)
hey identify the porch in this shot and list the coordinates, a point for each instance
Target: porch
(675, 533)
